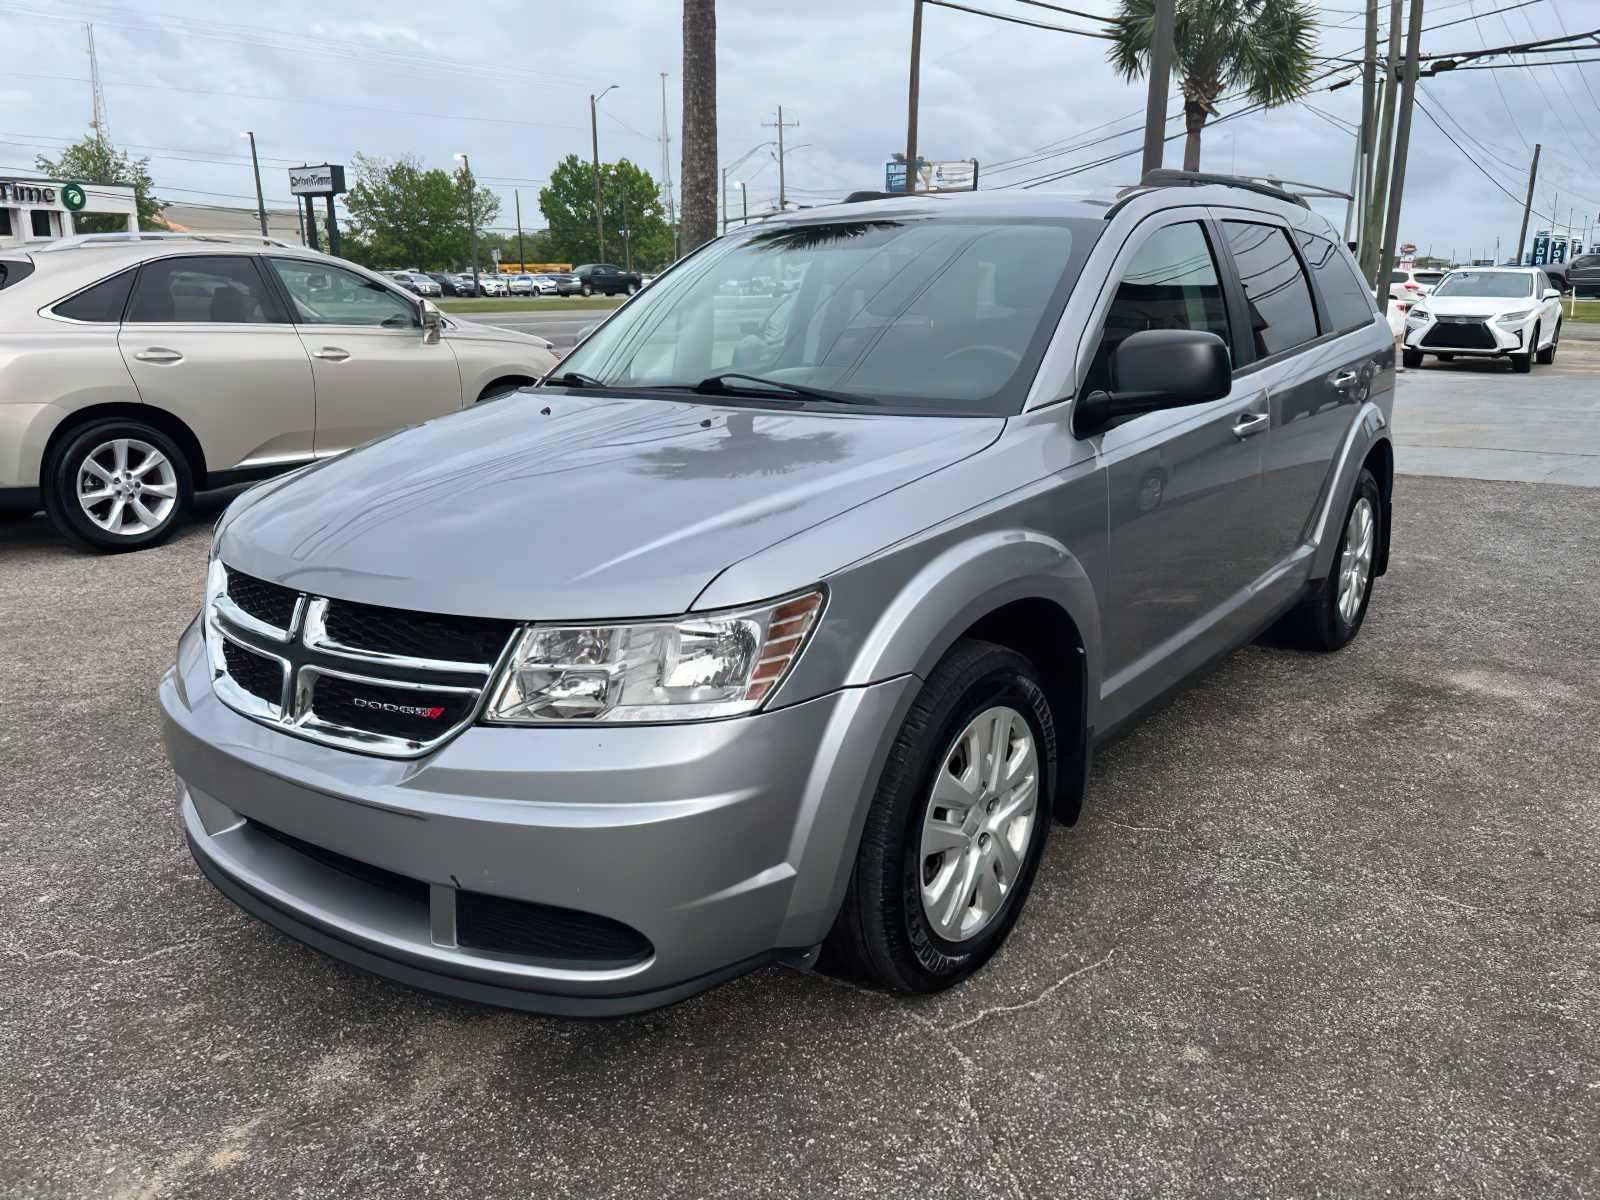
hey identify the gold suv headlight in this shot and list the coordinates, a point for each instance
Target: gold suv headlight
(691, 668)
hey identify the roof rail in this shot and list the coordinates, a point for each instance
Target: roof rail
(859, 197)
(1165, 177)
(123, 239)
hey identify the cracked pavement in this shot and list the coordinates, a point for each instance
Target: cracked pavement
(1330, 926)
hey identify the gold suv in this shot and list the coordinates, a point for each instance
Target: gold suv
(137, 369)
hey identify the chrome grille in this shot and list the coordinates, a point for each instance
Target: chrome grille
(377, 680)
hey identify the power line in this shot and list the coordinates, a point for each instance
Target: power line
(1515, 199)
(983, 12)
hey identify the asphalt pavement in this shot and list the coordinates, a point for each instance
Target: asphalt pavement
(560, 328)
(1330, 926)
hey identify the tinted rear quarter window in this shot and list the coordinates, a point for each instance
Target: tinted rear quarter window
(1275, 288)
(14, 272)
(103, 301)
(1348, 300)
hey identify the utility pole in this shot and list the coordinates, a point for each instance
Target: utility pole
(1402, 142)
(521, 258)
(780, 127)
(261, 205)
(666, 171)
(1527, 205)
(472, 220)
(1155, 105)
(1373, 231)
(744, 200)
(724, 199)
(594, 148)
(911, 102)
(1361, 183)
(97, 94)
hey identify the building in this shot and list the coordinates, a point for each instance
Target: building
(217, 218)
(40, 210)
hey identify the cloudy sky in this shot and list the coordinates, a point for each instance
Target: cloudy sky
(508, 82)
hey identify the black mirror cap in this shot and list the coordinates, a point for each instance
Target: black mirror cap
(1176, 366)
(1155, 369)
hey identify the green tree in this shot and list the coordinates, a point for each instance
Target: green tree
(95, 160)
(1262, 47)
(630, 199)
(402, 215)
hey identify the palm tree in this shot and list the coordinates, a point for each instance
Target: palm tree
(1262, 48)
(699, 173)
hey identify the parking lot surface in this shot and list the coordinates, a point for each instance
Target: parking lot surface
(1329, 926)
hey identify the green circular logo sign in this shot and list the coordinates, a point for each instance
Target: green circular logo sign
(73, 197)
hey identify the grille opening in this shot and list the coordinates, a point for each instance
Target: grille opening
(256, 674)
(543, 931)
(419, 716)
(402, 886)
(262, 600)
(417, 634)
(1457, 336)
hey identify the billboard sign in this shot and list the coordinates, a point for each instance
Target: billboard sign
(953, 175)
(326, 180)
(1541, 249)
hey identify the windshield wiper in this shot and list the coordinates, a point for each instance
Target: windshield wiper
(574, 379)
(736, 383)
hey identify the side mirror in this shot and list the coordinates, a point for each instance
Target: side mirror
(432, 323)
(1155, 369)
(1551, 294)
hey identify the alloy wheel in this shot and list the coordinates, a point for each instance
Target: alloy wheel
(978, 822)
(1355, 562)
(127, 486)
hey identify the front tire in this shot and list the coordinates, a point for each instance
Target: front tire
(1410, 358)
(586, 290)
(118, 485)
(956, 829)
(1548, 354)
(1522, 363)
(1331, 613)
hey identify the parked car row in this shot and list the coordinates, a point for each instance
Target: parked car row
(590, 279)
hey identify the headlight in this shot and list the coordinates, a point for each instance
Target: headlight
(1511, 318)
(688, 669)
(1419, 315)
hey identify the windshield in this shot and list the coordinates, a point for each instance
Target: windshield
(928, 313)
(1428, 277)
(1495, 285)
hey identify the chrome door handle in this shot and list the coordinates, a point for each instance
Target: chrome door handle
(1251, 423)
(158, 354)
(331, 353)
(1345, 380)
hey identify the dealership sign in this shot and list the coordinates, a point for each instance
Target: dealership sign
(326, 180)
(20, 191)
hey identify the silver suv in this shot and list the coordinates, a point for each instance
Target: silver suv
(786, 620)
(138, 369)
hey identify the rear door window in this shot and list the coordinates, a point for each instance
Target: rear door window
(202, 290)
(101, 302)
(1348, 299)
(1276, 290)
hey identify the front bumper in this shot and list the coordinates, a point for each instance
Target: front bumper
(725, 844)
(1439, 337)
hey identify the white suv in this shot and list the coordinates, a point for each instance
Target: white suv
(137, 369)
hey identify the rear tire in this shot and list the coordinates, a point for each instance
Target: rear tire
(1410, 358)
(942, 836)
(1330, 614)
(117, 485)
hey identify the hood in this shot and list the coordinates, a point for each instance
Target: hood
(547, 506)
(476, 331)
(1478, 306)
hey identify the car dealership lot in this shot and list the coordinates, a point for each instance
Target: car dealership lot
(1331, 924)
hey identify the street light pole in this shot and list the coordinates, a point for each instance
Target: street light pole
(261, 205)
(472, 221)
(594, 150)
(912, 96)
(744, 202)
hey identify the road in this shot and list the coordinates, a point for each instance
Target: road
(1330, 926)
(1480, 420)
(560, 328)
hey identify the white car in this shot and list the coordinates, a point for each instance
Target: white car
(1484, 312)
(139, 369)
(1408, 286)
(543, 285)
(491, 285)
(521, 285)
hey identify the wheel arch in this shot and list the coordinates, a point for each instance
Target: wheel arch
(1017, 588)
(1380, 461)
(503, 383)
(158, 418)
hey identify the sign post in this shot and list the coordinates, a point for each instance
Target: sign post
(309, 182)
